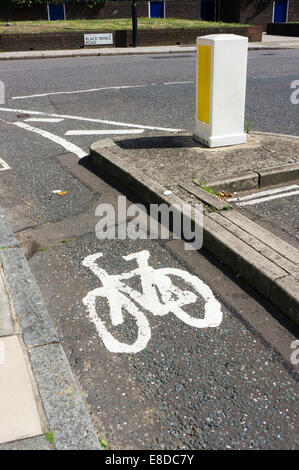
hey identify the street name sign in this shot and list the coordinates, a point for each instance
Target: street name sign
(98, 39)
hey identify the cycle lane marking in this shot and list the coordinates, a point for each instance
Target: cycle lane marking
(120, 296)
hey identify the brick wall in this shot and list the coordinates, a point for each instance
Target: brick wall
(37, 12)
(257, 12)
(294, 10)
(229, 11)
(75, 40)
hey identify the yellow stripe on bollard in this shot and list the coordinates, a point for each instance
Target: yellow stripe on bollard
(203, 83)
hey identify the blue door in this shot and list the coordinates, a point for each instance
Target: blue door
(56, 12)
(208, 10)
(280, 11)
(156, 10)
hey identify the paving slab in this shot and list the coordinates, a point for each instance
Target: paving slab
(19, 416)
(35, 443)
(173, 160)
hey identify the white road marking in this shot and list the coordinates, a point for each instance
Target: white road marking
(267, 198)
(3, 165)
(43, 120)
(123, 298)
(91, 90)
(79, 118)
(263, 193)
(105, 132)
(55, 138)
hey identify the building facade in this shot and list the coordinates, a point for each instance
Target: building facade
(255, 12)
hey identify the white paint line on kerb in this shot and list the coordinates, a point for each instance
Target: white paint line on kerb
(55, 138)
(264, 193)
(105, 132)
(92, 90)
(43, 120)
(84, 119)
(3, 165)
(267, 198)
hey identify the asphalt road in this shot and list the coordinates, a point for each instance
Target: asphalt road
(230, 386)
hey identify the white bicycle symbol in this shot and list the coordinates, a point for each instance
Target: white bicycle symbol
(153, 281)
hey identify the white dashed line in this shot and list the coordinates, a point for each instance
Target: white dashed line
(84, 119)
(267, 198)
(264, 193)
(43, 120)
(92, 90)
(105, 132)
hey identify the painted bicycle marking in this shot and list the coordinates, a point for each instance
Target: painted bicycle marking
(171, 299)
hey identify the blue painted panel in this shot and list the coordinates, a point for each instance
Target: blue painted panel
(56, 12)
(157, 10)
(280, 11)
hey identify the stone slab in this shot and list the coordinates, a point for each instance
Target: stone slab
(19, 417)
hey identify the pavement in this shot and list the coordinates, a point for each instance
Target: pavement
(41, 407)
(268, 42)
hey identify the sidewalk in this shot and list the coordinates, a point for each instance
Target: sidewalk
(175, 170)
(41, 407)
(269, 42)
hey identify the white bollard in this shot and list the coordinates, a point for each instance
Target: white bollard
(220, 89)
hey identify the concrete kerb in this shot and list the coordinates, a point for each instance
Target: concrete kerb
(66, 413)
(265, 275)
(22, 55)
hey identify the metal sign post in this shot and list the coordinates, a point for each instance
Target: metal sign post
(134, 23)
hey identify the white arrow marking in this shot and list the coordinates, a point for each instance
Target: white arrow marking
(55, 138)
(4, 165)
